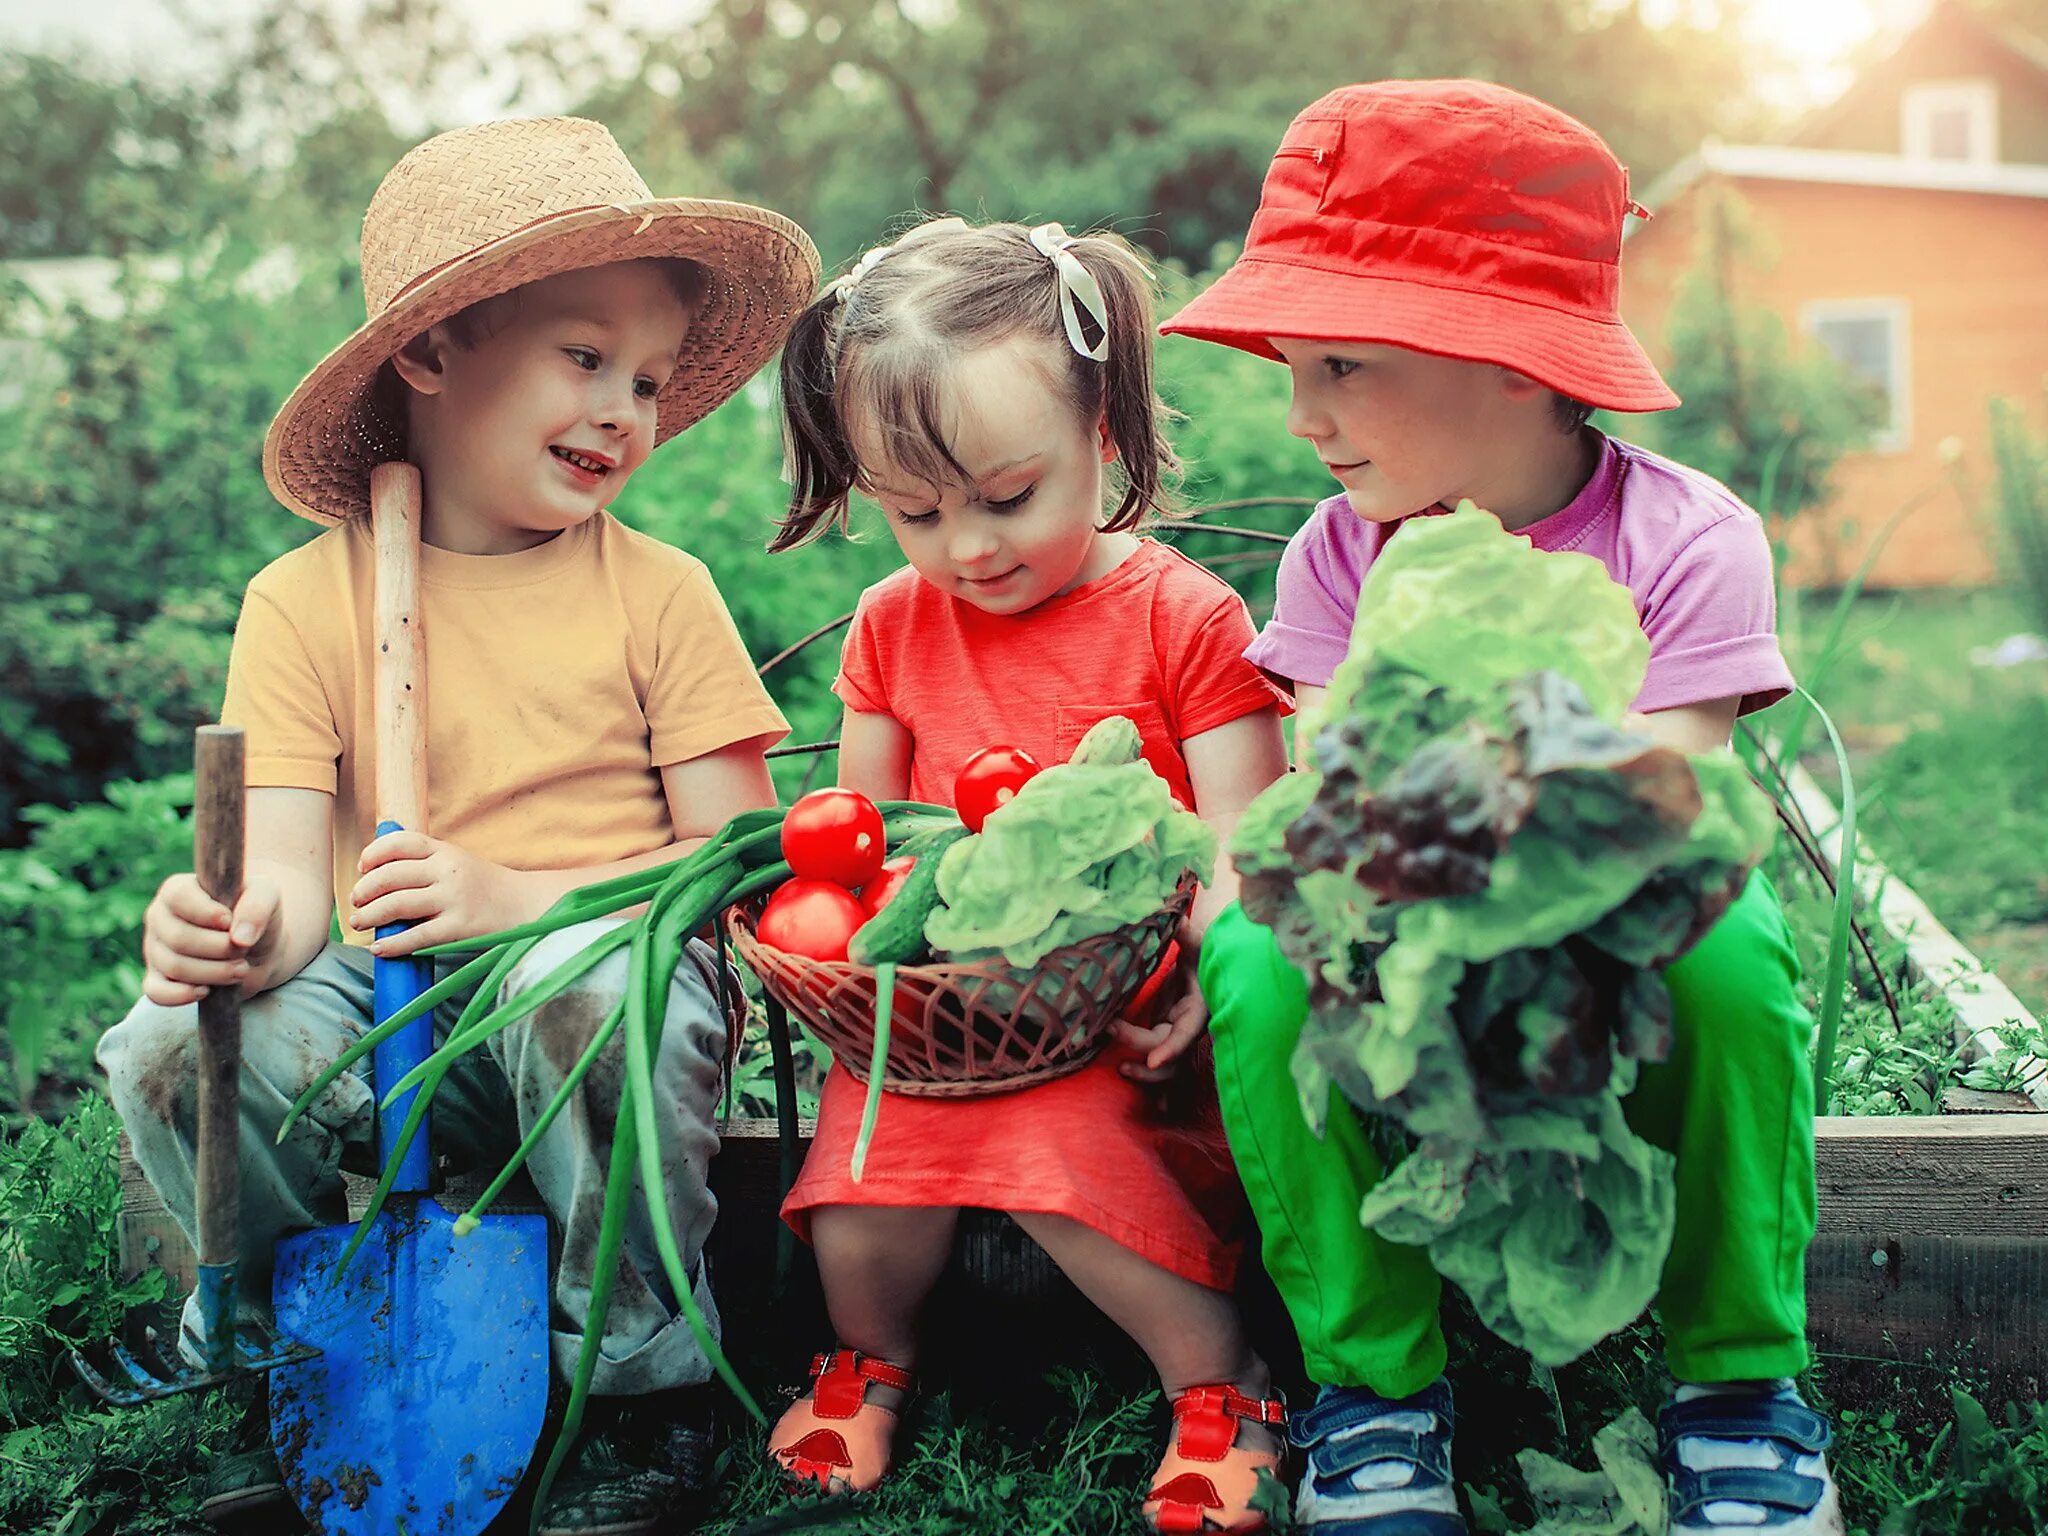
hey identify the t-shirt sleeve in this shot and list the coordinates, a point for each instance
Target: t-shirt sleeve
(1215, 683)
(1314, 602)
(1711, 618)
(704, 693)
(859, 685)
(275, 695)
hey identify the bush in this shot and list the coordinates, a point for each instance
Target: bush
(134, 511)
(66, 1463)
(71, 907)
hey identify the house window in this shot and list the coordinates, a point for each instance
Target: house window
(1955, 121)
(1868, 337)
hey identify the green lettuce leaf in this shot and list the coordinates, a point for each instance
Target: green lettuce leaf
(1083, 849)
(1478, 881)
(1459, 601)
(1625, 1497)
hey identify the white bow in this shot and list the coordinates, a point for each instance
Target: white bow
(1077, 286)
(843, 285)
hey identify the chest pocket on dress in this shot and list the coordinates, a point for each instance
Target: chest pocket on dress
(1162, 749)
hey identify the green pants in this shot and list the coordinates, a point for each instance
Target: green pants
(1734, 1102)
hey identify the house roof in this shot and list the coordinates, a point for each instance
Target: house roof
(1797, 161)
(1845, 167)
(1948, 13)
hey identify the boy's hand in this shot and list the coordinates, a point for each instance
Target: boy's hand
(1160, 1046)
(192, 944)
(444, 892)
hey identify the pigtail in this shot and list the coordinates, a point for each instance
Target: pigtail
(1137, 416)
(818, 460)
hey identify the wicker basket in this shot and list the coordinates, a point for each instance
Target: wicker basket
(960, 1030)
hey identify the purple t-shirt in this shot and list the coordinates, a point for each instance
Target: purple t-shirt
(1693, 557)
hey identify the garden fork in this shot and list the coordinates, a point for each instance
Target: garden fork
(147, 1362)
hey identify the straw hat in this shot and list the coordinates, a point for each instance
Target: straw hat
(480, 211)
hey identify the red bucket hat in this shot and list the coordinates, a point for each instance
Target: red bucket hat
(1447, 216)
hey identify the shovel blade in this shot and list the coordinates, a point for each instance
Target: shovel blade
(422, 1409)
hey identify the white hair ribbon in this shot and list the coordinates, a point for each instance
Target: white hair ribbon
(1077, 287)
(843, 285)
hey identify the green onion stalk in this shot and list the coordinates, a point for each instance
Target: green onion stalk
(741, 861)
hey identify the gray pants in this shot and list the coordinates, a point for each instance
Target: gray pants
(483, 1108)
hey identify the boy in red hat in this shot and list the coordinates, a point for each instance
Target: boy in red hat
(1437, 264)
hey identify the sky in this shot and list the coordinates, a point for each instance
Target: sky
(1816, 39)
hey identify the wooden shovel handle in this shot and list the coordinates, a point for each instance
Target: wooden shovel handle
(401, 666)
(217, 833)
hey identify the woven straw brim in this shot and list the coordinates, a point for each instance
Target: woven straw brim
(762, 269)
(1591, 357)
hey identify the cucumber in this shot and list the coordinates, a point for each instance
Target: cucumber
(1109, 742)
(897, 931)
(923, 838)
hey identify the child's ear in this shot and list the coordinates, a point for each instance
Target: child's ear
(423, 361)
(1102, 436)
(1519, 386)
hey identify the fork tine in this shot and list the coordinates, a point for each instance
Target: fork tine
(145, 1380)
(124, 1381)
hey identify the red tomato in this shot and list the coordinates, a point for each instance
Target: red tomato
(811, 917)
(991, 778)
(881, 890)
(836, 835)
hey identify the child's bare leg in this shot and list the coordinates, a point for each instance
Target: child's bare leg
(878, 1263)
(1192, 1334)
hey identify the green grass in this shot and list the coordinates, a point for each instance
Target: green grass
(1948, 759)
(1002, 1448)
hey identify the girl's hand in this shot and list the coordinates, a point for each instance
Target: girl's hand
(1159, 1047)
(443, 891)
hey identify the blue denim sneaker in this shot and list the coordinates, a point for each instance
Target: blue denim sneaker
(1377, 1466)
(1747, 1456)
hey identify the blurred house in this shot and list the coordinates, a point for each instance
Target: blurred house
(1906, 231)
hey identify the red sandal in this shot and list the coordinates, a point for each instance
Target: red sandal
(834, 1439)
(1206, 1480)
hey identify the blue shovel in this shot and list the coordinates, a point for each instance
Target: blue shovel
(421, 1412)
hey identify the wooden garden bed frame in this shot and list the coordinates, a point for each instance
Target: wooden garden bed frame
(1932, 1231)
(1932, 1235)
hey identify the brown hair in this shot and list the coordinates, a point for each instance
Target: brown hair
(944, 288)
(1569, 414)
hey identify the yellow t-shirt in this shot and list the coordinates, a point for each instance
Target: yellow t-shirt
(560, 680)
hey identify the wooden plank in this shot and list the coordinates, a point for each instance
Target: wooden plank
(1870, 1293)
(1988, 1015)
(1973, 1101)
(746, 1179)
(149, 1237)
(1933, 1234)
(1978, 1176)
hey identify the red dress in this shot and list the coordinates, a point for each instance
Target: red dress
(1158, 640)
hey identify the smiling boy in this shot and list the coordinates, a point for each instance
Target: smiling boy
(539, 323)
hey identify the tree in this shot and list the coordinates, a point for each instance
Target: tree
(846, 113)
(99, 167)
